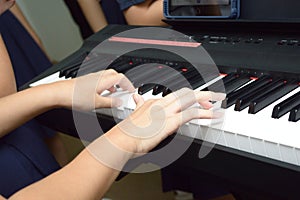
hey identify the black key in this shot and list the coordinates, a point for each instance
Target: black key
(216, 85)
(244, 102)
(75, 64)
(71, 72)
(295, 114)
(248, 89)
(193, 82)
(229, 77)
(145, 88)
(171, 80)
(158, 89)
(94, 64)
(87, 66)
(198, 81)
(141, 75)
(121, 66)
(236, 83)
(231, 82)
(185, 81)
(166, 92)
(285, 106)
(67, 71)
(260, 103)
(175, 85)
(163, 75)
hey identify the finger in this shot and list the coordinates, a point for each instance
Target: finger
(139, 100)
(170, 98)
(112, 89)
(125, 83)
(205, 98)
(116, 79)
(185, 98)
(110, 71)
(107, 102)
(209, 96)
(194, 113)
(206, 104)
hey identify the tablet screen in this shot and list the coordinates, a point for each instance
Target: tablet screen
(200, 8)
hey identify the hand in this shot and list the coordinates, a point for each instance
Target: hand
(84, 93)
(5, 5)
(154, 120)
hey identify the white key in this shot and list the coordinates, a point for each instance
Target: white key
(254, 133)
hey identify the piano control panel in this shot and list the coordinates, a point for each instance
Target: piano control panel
(233, 40)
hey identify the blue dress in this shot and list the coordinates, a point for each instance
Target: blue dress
(111, 9)
(124, 4)
(24, 157)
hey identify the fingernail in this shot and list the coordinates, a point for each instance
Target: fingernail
(136, 97)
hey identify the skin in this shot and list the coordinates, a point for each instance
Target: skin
(93, 13)
(149, 12)
(87, 177)
(74, 181)
(6, 4)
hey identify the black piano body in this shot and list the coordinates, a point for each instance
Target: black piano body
(253, 44)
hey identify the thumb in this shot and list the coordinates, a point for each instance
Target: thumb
(139, 100)
(107, 102)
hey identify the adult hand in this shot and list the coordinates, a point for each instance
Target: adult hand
(84, 93)
(154, 120)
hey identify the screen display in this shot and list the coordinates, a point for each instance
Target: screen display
(221, 8)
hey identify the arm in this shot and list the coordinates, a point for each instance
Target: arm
(89, 176)
(42, 98)
(39, 99)
(93, 13)
(10, 104)
(150, 12)
(6, 4)
(7, 77)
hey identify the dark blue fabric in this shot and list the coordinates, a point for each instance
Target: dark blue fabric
(124, 4)
(26, 57)
(111, 10)
(24, 157)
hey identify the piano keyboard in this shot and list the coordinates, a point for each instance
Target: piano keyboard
(261, 118)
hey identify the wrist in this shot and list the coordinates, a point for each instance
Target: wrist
(122, 140)
(107, 151)
(53, 95)
(60, 94)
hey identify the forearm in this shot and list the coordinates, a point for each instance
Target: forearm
(93, 171)
(20, 107)
(93, 13)
(148, 13)
(86, 177)
(7, 77)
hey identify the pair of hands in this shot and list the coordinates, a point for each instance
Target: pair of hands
(152, 120)
(5, 5)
